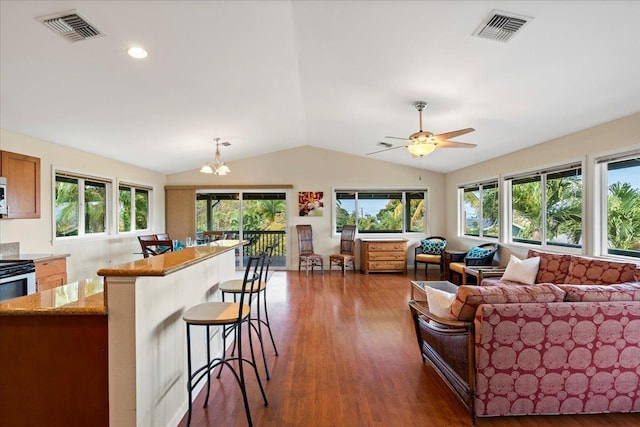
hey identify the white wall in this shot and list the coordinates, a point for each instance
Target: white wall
(315, 169)
(35, 235)
(616, 136)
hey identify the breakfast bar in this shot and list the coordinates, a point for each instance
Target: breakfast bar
(130, 337)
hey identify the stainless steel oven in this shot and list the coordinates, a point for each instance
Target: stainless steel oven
(17, 278)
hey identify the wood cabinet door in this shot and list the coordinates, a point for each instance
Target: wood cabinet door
(180, 213)
(23, 184)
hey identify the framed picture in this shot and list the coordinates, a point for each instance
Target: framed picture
(311, 203)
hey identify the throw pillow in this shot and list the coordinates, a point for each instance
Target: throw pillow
(433, 247)
(522, 271)
(476, 252)
(439, 301)
(553, 267)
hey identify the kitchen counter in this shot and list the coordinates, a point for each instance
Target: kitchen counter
(170, 262)
(31, 257)
(85, 297)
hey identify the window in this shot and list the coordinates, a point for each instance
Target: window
(620, 196)
(546, 207)
(480, 210)
(395, 211)
(81, 205)
(133, 207)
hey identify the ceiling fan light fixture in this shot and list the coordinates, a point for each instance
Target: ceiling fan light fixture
(421, 150)
(206, 169)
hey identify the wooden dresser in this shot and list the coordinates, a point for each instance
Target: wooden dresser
(383, 256)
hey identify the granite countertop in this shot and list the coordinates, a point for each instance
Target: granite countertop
(84, 297)
(161, 265)
(31, 257)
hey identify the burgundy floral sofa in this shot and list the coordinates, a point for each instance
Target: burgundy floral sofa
(568, 344)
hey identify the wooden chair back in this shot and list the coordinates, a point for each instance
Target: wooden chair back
(347, 240)
(212, 235)
(305, 239)
(155, 247)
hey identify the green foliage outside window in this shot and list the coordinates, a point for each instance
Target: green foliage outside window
(124, 209)
(381, 212)
(623, 218)
(66, 206)
(481, 210)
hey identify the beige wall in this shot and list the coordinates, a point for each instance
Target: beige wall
(616, 136)
(35, 235)
(314, 169)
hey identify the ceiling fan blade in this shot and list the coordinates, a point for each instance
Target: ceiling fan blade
(397, 137)
(386, 149)
(453, 134)
(452, 144)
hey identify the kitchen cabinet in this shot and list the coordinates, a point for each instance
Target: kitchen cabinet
(23, 184)
(51, 273)
(389, 256)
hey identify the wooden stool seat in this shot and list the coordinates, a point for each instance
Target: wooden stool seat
(216, 313)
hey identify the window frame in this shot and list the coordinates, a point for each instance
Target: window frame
(602, 200)
(134, 187)
(82, 179)
(480, 186)
(404, 200)
(543, 173)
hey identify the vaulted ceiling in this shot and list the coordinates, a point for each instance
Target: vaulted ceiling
(341, 75)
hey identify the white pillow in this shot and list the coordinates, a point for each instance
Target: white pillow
(522, 271)
(439, 301)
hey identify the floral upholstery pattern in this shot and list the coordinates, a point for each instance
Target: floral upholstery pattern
(468, 298)
(553, 267)
(596, 293)
(558, 358)
(587, 271)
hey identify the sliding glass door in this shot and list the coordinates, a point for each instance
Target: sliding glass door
(257, 216)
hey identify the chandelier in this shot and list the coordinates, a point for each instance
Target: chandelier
(218, 167)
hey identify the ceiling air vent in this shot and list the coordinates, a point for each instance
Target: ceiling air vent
(501, 26)
(70, 25)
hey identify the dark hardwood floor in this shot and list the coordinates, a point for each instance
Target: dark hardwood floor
(349, 357)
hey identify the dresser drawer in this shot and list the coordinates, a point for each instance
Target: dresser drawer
(386, 265)
(386, 246)
(385, 256)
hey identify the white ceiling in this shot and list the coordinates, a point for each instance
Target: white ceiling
(341, 75)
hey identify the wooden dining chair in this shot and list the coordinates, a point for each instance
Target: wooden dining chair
(155, 247)
(346, 257)
(306, 255)
(212, 236)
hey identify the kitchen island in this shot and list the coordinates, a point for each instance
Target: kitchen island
(143, 333)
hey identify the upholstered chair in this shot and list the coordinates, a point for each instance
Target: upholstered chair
(430, 251)
(455, 261)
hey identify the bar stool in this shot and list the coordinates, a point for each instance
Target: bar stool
(226, 314)
(234, 287)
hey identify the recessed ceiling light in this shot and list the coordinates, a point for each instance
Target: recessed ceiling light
(137, 52)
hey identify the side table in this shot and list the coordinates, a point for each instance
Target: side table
(481, 271)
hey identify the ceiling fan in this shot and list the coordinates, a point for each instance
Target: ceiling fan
(423, 143)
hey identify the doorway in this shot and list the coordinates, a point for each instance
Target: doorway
(257, 216)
